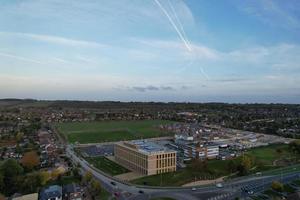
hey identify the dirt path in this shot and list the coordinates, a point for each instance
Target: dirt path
(204, 182)
(129, 176)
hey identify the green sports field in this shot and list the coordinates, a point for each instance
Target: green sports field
(108, 131)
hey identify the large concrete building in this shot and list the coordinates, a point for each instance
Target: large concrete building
(145, 157)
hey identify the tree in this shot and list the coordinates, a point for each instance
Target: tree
(88, 176)
(231, 166)
(11, 170)
(75, 172)
(279, 150)
(95, 187)
(19, 136)
(45, 177)
(19, 149)
(245, 165)
(198, 165)
(31, 183)
(277, 186)
(30, 160)
(55, 173)
(295, 146)
(1, 182)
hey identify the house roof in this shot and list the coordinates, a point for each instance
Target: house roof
(51, 192)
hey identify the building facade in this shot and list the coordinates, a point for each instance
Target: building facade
(145, 157)
(201, 151)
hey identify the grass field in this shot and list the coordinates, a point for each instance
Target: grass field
(268, 154)
(93, 132)
(186, 175)
(107, 165)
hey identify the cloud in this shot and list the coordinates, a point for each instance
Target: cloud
(199, 51)
(282, 56)
(167, 88)
(151, 88)
(54, 39)
(230, 80)
(12, 56)
(144, 89)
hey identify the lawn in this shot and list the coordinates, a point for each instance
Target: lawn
(186, 175)
(107, 165)
(268, 154)
(93, 132)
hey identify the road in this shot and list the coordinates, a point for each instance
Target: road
(230, 189)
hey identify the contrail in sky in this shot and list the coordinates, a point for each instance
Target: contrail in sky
(182, 35)
(174, 25)
(179, 22)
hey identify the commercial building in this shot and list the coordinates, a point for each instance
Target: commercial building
(201, 151)
(145, 157)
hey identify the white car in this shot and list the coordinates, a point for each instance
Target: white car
(250, 192)
(194, 189)
(219, 185)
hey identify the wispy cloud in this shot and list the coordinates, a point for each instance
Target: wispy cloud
(12, 56)
(53, 39)
(231, 79)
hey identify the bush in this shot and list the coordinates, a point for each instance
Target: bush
(277, 186)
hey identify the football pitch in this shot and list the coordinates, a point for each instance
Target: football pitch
(108, 131)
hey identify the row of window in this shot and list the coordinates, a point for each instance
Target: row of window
(166, 155)
(161, 163)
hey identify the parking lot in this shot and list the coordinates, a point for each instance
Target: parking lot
(97, 150)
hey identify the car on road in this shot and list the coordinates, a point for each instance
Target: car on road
(250, 192)
(113, 183)
(141, 191)
(194, 189)
(219, 185)
(117, 194)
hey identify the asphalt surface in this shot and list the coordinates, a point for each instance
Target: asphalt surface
(231, 189)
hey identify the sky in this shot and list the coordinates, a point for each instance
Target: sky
(236, 51)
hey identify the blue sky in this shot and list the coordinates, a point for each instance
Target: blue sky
(151, 50)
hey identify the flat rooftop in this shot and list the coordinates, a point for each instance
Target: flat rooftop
(149, 147)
